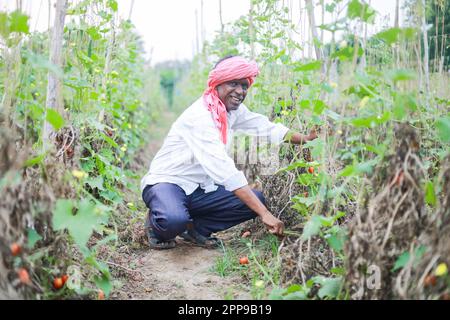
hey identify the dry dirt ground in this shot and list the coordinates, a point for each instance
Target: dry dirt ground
(185, 272)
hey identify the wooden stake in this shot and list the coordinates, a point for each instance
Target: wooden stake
(54, 86)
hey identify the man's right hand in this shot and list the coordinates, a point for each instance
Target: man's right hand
(274, 225)
(312, 134)
(246, 195)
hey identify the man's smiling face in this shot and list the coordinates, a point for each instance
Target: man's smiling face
(232, 93)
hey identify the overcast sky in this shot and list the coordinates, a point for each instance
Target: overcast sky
(168, 27)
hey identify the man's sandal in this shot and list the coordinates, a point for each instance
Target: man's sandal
(196, 238)
(157, 244)
(154, 242)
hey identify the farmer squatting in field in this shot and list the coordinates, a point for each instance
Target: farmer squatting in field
(193, 187)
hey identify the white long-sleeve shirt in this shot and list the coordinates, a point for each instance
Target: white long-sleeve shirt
(193, 154)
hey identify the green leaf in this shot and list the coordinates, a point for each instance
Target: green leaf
(112, 196)
(18, 22)
(283, 104)
(88, 165)
(61, 214)
(333, 115)
(372, 121)
(389, 36)
(32, 237)
(379, 150)
(409, 33)
(104, 284)
(312, 227)
(4, 25)
(55, 119)
(399, 111)
(110, 141)
(419, 252)
(93, 33)
(276, 294)
(300, 164)
(278, 55)
(335, 192)
(402, 104)
(294, 288)
(41, 62)
(338, 271)
(443, 128)
(76, 83)
(326, 221)
(33, 161)
(316, 146)
(318, 106)
(81, 224)
(359, 168)
(96, 182)
(404, 258)
(401, 261)
(306, 201)
(306, 179)
(337, 240)
(106, 154)
(305, 104)
(362, 90)
(430, 195)
(113, 5)
(401, 75)
(329, 287)
(347, 53)
(393, 35)
(356, 9)
(329, 7)
(298, 295)
(294, 292)
(315, 65)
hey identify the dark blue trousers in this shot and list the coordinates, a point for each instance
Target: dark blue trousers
(171, 210)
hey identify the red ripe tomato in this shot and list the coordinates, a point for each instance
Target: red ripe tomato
(15, 249)
(430, 280)
(243, 260)
(311, 170)
(64, 278)
(24, 277)
(58, 283)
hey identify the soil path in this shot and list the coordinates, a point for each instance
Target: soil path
(185, 272)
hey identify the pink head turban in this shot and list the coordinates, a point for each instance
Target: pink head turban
(229, 69)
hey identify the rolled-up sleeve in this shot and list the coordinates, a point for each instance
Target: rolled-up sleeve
(256, 124)
(202, 138)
